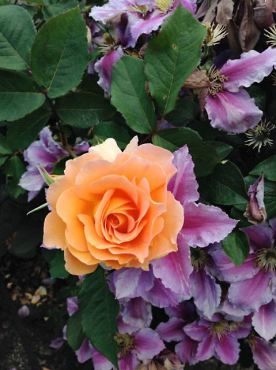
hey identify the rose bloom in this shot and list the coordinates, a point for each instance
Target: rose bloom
(113, 207)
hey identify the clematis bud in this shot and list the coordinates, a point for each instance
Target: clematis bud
(255, 210)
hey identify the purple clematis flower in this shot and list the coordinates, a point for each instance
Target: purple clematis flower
(218, 337)
(253, 284)
(144, 16)
(228, 105)
(45, 152)
(264, 353)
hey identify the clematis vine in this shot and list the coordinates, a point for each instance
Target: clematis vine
(228, 105)
(144, 16)
(253, 284)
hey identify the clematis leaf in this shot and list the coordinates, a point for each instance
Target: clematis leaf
(74, 332)
(99, 310)
(172, 56)
(266, 168)
(236, 246)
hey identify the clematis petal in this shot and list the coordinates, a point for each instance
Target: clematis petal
(174, 270)
(251, 293)
(137, 313)
(109, 11)
(128, 362)
(227, 349)
(171, 330)
(147, 344)
(264, 321)
(250, 68)
(197, 330)
(205, 349)
(260, 236)
(186, 350)
(272, 223)
(264, 354)
(160, 296)
(72, 305)
(84, 353)
(206, 292)
(233, 112)
(184, 185)
(204, 225)
(100, 362)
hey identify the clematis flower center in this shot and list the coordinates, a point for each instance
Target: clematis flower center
(125, 342)
(266, 259)
(163, 5)
(216, 79)
(223, 327)
(142, 9)
(199, 258)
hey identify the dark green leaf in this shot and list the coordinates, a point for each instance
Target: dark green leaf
(99, 310)
(23, 132)
(172, 56)
(59, 53)
(17, 33)
(4, 146)
(129, 95)
(74, 332)
(106, 130)
(18, 96)
(225, 186)
(14, 170)
(84, 109)
(185, 112)
(222, 149)
(57, 269)
(266, 168)
(204, 155)
(53, 7)
(236, 246)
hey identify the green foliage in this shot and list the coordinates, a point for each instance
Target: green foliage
(111, 129)
(172, 56)
(17, 33)
(266, 168)
(54, 65)
(74, 332)
(236, 246)
(129, 95)
(99, 311)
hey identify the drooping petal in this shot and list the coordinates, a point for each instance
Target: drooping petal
(84, 353)
(206, 292)
(264, 321)
(255, 210)
(31, 180)
(259, 236)
(204, 225)
(233, 112)
(100, 362)
(171, 330)
(230, 272)
(137, 313)
(250, 68)
(174, 270)
(186, 350)
(251, 293)
(72, 305)
(184, 185)
(147, 344)
(264, 354)
(227, 349)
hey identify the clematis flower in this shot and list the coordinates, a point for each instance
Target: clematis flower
(228, 105)
(45, 152)
(264, 353)
(253, 284)
(218, 337)
(144, 16)
(255, 210)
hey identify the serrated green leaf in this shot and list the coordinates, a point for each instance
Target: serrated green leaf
(222, 149)
(99, 310)
(236, 246)
(54, 7)
(17, 33)
(59, 53)
(266, 168)
(172, 56)
(106, 130)
(129, 96)
(225, 186)
(74, 332)
(84, 109)
(57, 269)
(18, 96)
(203, 154)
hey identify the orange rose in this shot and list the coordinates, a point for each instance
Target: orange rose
(113, 207)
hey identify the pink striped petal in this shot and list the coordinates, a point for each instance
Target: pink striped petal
(228, 349)
(264, 321)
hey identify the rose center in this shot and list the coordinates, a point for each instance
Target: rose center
(216, 79)
(199, 258)
(125, 342)
(266, 259)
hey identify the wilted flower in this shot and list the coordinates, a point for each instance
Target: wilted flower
(215, 33)
(270, 33)
(260, 136)
(255, 210)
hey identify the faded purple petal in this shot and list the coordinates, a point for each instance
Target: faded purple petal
(184, 185)
(232, 312)
(204, 225)
(186, 350)
(233, 112)
(84, 353)
(227, 349)
(250, 68)
(197, 330)
(109, 11)
(160, 296)
(104, 67)
(50, 144)
(31, 180)
(100, 362)
(228, 271)
(260, 236)
(264, 354)
(81, 147)
(264, 321)
(128, 362)
(251, 293)
(174, 270)
(206, 292)
(205, 349)
(72, 305)
(171, 330)
(137, 313)
(147, 344)
(185, 311)
(57, 343)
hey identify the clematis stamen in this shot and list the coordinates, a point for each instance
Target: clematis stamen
(126, 342)
(216, 79)
(199, 258)
(215, 33)
(163, 5)
(266, 259)
(270, 34)
(259, 136)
